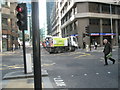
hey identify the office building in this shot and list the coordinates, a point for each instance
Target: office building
(56, 20)
(101, 17)
(49, 7)
(9, 27)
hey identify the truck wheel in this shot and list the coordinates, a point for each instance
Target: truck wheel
(50, 51)
(73, 49)
(70, 49)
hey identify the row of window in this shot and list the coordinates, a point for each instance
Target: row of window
(72, 28)
(105, 22)
(68, 29)
(93, 7)
(67, 4)
(97, 8)
(104, 8)
(73, 11)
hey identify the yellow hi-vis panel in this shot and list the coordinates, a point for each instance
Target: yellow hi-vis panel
(59, 41)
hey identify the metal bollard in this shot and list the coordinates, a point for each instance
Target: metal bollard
(29, 63)
(87, 48)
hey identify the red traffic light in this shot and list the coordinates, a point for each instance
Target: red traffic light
(19, 9)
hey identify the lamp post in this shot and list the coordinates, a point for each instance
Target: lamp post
(111, 24)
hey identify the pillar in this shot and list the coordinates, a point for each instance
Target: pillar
(101, 31)
(116, 25)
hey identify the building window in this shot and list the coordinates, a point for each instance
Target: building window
(75, 25)
(75, 11)
(105, 8)
(106, 22)
(69, 2)
(94, 7)
(118, 10)
(5, 21)
(70, 27)
(70, 13)
(61, 3)
(113, 9)
(94, 21)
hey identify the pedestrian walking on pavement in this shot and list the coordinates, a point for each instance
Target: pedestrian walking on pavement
(108, 52)
(19, 45)
(95, 45)
(13, 47)
(84, 45)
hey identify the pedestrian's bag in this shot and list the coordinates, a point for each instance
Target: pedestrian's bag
(109, 55)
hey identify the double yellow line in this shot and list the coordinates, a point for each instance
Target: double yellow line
(84, 54)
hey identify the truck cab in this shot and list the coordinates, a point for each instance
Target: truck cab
(72, 43)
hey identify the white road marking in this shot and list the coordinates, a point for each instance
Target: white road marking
(72, 76)
(59, 76)
(85, 74)
(59, 82)
(51, 64)
(97, 73)
(102, 58)
(109, 72)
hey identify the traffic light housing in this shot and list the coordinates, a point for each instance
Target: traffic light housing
(84, 35)
(87, 30)
(22, 16)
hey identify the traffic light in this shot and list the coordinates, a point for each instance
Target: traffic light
(22, 16)
(87, 30)
(84, 35)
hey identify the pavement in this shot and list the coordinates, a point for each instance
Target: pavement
(23, 80)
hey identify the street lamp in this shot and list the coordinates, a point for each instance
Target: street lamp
(111, 22)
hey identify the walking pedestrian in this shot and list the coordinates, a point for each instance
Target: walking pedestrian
(107, 52)
(95, 45)
(84, 45)
(19, 45)
(13, 47)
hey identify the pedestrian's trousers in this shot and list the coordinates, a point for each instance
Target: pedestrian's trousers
(108, 58)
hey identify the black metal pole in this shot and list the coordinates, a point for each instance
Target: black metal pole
(24, 51)
(90, 38)
(90, 42)
(36, 46)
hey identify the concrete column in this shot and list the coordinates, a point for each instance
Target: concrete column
(101, 31)
(116, 28)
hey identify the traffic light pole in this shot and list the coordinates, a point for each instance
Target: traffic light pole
(22, 24)
(90, 38)
(24, 51)
(36, 46)
(90, 42)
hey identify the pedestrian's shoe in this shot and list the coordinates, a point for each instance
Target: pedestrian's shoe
(105, 64)
(114, 62)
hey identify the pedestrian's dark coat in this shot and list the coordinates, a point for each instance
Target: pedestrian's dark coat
(107, 48)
